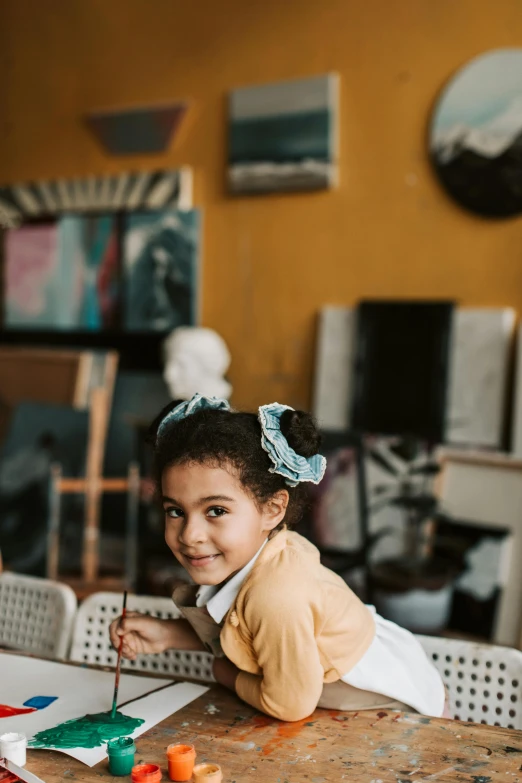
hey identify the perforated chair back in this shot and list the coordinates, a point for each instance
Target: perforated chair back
(484, 681)
(91, 642)
(36, 615)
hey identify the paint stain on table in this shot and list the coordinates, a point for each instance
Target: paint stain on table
(91, 731)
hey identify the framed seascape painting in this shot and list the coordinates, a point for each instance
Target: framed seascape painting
(284, 136)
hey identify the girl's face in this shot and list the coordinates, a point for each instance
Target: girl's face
(212, 525)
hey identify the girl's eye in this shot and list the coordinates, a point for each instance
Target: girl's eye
(174, 513)
(216, 511)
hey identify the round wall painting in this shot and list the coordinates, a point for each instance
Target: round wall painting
(476, 135)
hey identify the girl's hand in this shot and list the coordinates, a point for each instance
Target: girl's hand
(225, 672)
(141, 634)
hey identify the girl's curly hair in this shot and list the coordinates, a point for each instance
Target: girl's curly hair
(219, 438)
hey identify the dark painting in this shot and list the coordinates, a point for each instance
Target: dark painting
(476, 135)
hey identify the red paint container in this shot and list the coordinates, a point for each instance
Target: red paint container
(146, 773)
(181, 760)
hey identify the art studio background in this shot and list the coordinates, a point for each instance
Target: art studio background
(332, 189)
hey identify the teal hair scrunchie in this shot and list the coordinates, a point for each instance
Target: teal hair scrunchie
(184, 409)
(287, 462)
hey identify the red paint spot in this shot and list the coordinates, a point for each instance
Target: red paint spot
(285, 731)
(262, 721)
(10, 712)
(312, 746)
(380, 716)
(8, 777)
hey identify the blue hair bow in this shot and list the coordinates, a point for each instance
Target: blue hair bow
(184, 409)
(287, 462)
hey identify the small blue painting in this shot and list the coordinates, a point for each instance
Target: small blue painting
(283, 137)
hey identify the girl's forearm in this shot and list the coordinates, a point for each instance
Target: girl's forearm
(225, 673)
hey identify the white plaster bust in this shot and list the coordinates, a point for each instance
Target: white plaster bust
(196, 359)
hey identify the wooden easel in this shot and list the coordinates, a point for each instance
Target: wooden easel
(93, 487)
(83, 379)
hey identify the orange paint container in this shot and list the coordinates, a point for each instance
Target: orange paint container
(181, 760)
(207, 773)
(146, 773)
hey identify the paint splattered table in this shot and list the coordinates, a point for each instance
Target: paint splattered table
(368, 747)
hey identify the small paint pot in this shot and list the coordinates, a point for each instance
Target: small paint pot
(207, 773)
(121, 756)
(181, 760)
(14, 748)
(146, 773)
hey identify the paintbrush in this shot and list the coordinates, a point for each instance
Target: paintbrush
(118, 664)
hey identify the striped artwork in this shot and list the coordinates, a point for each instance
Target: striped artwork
(130, 191)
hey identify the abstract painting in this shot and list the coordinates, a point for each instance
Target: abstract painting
(88, 246)
(283, 136)
(31, 266)
(62, 276)
(476, 135)
(74, 714)
(481, 490)
(160, 252)
(483, 552)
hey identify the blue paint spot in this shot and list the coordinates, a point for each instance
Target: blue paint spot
(40, 702)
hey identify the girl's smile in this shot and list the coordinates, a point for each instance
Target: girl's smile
(200, 561)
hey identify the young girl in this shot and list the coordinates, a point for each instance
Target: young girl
(288, 634)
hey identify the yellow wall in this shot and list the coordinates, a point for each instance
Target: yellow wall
(271, 262)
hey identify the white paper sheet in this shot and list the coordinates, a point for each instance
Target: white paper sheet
(80, 691)
(152, 709)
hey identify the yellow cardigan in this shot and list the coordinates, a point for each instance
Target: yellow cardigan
(294, 626)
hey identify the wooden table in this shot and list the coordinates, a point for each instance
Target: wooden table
(365, 747)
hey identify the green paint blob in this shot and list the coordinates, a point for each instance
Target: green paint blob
(91, 731)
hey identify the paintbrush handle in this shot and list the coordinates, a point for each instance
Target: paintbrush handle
(117, 681)
(118, 662)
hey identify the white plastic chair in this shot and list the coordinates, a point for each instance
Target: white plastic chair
(36, 615)
(484, 681)
(91, 642)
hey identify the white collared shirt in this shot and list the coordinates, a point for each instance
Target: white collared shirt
(394, 665)
(218, 600)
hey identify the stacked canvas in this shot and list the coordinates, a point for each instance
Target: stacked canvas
(478, 375)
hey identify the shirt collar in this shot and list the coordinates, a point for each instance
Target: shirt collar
(218, 600)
